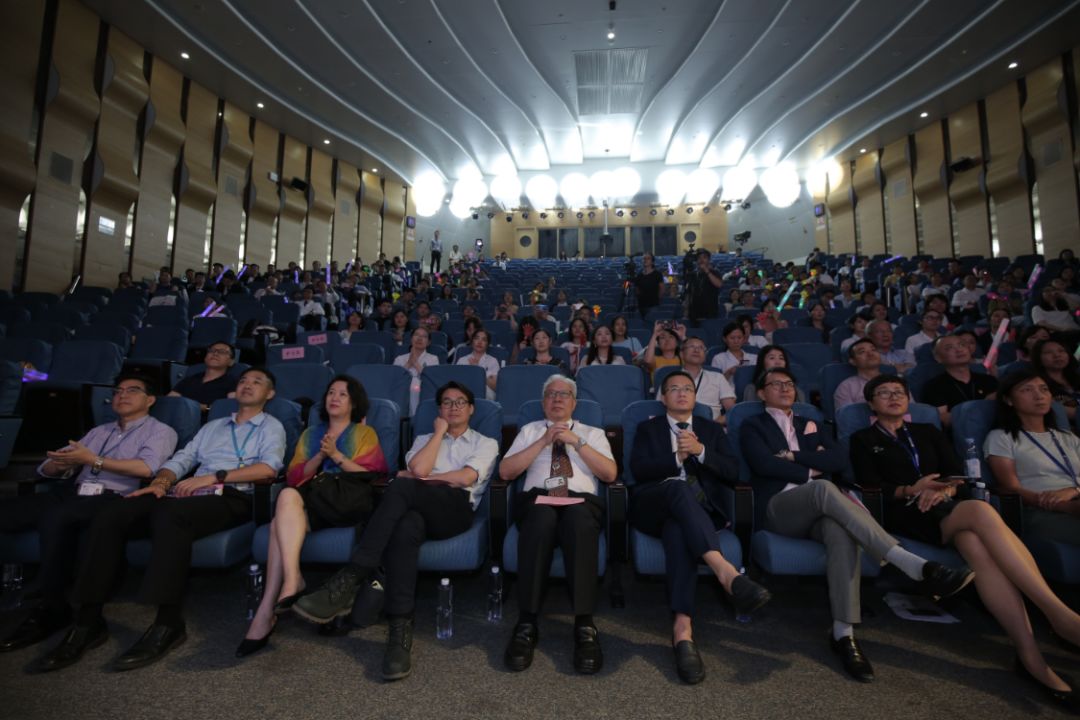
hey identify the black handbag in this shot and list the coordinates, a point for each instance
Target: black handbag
(341, 499)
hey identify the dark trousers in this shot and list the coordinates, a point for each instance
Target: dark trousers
(576, 529)
(410, 512)
(436, 261)
(669, 511)
(60, 517)
(172, 524)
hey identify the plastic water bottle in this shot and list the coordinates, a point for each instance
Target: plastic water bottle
(253, 584)
(13, 577)
(972, 466)
(742, 617)
(444, 612)
(978, 491)
(495, 595)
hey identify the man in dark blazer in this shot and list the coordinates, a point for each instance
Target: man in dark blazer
(680, 462)
(792, 461)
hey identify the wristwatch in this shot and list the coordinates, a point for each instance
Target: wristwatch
(99, 462)
(580, 444)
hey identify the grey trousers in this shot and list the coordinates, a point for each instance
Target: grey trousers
(819, 511)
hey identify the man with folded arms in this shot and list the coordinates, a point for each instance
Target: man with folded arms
(679, 461)
(110, 461)
(228, 456)
(564, 462)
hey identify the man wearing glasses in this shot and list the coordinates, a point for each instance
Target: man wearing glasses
(214, 383)
(710, 388)
(107, 463)
(433, 499)
(564, 462)
(794, 464)
(679, 462)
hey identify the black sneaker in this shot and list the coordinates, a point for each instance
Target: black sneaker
(333, 599)
(397, 661)
(940, 581)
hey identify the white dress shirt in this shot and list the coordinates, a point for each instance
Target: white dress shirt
(582, 480)
(723, 361)
(470, 449)
(712, 388)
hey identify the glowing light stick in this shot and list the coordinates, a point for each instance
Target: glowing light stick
(999, 337)
(787, 295)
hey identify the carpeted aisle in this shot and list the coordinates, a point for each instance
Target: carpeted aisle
(778, 666)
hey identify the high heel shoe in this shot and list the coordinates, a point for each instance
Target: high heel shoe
(248, 646)
(1066, 700)
(285, 604)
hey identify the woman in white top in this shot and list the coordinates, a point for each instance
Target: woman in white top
(1053, 313)
(578, 344)
(750, 340)
(620, 336)
(600, 352)
(415, 361)
(353, 323)
(735, 356)
(480, 342)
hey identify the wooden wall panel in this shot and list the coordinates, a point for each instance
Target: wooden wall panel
(63, 146)
(370, 230)
(841, 213)
(114, 186)
(1076, 94)
(294, 212)
(965, 190)
(20, 40)
(346, 213)
(1006, 172)
(867, 186)
(317, 244)
(393, 228)
(896, 167)
(197, 186)
(411, 250)
(929, 183)
(264, 196)
(157, 173)
(1046, 120)
(234, 159)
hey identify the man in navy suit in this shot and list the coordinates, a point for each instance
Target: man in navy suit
(792, 461)
(679, 462)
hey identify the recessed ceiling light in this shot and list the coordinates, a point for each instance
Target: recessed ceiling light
(924, 114)
(374, 169)
(184, 56)
(1014, 65)
(610, 34)
(862, 150)
(326, 141)
(259, 105)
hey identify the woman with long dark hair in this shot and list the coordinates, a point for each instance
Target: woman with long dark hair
(1053, 362)
(600, 352)
(769, 357)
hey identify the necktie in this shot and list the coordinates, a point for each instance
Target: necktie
(560, 467)
(688, 471)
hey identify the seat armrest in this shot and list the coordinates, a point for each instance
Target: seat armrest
(1011, 508)
(874, 500)
(499, 515)
(617, 505)
(262, 503)
(744, 515)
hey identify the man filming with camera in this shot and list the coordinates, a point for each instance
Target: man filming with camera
(647, 285)
(703, 289)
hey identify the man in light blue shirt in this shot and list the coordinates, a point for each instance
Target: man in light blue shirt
(228, 456)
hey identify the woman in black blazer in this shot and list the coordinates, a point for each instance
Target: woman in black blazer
(910, 462)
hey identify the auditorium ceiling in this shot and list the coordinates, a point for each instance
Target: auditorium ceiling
(464, 88)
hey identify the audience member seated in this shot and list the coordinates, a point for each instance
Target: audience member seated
(327, 456)
(769, 357)
(679, 462)
(864, 357)
(215, 498)
(214, 383)
(1053, 313)
(578, 343)
(1061, 371)
(541, 343)
(564, 462)
(1030, 456)
(354, 322)
(107, 463)
(663, 348)
(794, 465)
(751, 341)
(481, 339)
(816, 319)
(920, 476)
(857, 323)
(965, 301)
(930, 323)
(958, 383)
(711, 388)
(737, 355)
(600, 352)
(881, 332)
(399, 326)
(621, 338)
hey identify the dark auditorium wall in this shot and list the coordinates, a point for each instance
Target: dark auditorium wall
(166, 172)
(1021, 146)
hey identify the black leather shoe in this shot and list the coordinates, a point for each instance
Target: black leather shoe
(519, 653)
(248, 646)
(76, 642)
(940, 581)
(36, 627)
(588, 658)
(855, 663)
(155, 644)
(397, 661)
(688, 662)
(1067, 701)
(747, 596)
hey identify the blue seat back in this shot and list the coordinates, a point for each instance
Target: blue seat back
(471, 376)
(558, 353)
(809, 355)
(855, 417)
(613, 386)
(50, 332)
(328, 340)
(160, 342)
(293, 354)
(637, 412)
(356, 353)
(303, 381)
(586, 411)
(116, 334)
(918, 376)
(286, 411)
(36, 352)
(86, 361)
(797, 335)
(11, 374)
(518, 384)
(384, 381)
(173, 315)
(208, 330)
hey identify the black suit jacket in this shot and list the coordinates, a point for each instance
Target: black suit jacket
(653, 460)
(761, 439)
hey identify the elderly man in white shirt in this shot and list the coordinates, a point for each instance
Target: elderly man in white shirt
(712, 388)
(564, 462)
